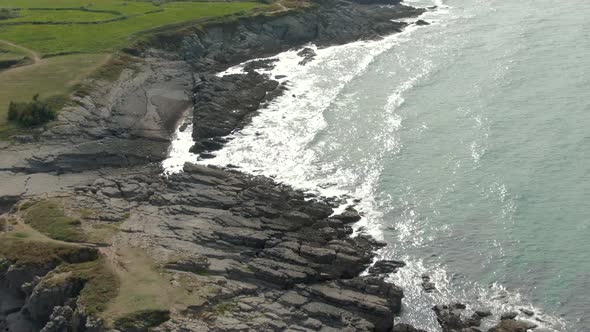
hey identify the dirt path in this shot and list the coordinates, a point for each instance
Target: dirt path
(36, 57)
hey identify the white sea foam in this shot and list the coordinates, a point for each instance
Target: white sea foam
(179, 151)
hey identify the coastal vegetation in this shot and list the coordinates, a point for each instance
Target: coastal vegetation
(23, 247)
(48, 47)
(24, 251)
(145, 290)
(49, 218)
(123, 285)
(101, 283)
(36, 111)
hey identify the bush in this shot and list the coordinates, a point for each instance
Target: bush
(33, 113)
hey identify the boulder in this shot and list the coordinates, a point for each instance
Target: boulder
(511, 325)
(509, 315)
(401, 327)
(386, 267)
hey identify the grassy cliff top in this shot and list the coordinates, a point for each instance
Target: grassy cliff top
(59, 43)
(83, 26)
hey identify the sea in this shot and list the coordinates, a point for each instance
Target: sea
(465, 145)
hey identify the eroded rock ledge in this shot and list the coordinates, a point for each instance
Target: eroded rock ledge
(273, 259)
(284, 262)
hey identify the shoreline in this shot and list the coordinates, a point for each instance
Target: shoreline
(540, 318)
(313, 280)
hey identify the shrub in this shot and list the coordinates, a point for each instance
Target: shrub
(33, 113)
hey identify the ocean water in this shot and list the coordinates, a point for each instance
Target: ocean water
(467, 142)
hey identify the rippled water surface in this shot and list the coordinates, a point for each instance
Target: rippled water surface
(468, 143)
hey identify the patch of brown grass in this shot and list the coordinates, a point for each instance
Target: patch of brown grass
(23, 251)
(49, 218)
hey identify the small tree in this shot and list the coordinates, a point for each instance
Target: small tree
(33, 113)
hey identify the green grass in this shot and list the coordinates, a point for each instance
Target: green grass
(106, 37)
(113, 68)
(145, 288)
(10, 55)
(50, 219)
(125, 7)
(73, 15)
(101, 284)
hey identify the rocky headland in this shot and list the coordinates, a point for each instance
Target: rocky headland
(124, 248)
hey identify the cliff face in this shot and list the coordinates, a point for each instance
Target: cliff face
(328, 23)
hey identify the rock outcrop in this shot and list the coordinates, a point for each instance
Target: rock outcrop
(30, 293)
(455, 318)
(328, 22)
(283, 261)
(225, 104)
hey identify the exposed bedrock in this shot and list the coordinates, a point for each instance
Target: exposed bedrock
(283, 262)
(328, 22)
(456, 318)
(118, 124)
(225, 104)
(30, 292)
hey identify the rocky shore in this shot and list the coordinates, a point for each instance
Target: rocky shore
(220, 250)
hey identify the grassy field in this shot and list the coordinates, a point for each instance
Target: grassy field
(134, 17)
(74, 15)
(82, 33)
